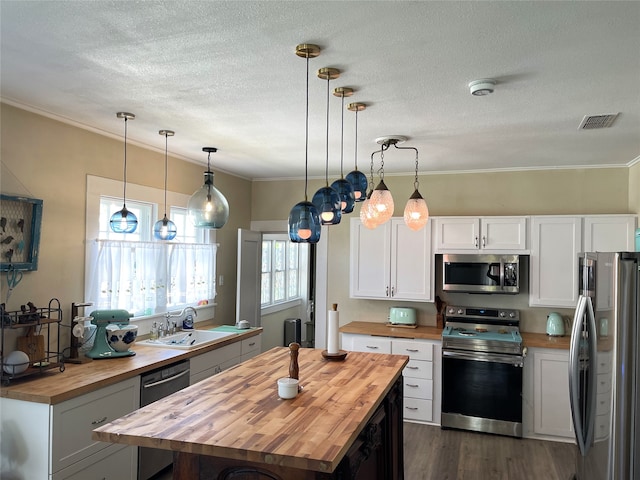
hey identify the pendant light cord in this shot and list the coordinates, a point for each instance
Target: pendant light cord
(166, 166)
(124, 189)
(415, 182)
(326, 165)
(356, 139)
(342, 138)
(306, 137)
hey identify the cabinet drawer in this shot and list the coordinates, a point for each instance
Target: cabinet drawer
(417, 409)
(116, 462)
(251, 345)
(418, 388)
(213, 358)
(415, 349)
(74, 420)
(362, 343)
(418, 369)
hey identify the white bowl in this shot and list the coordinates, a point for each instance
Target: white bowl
(16, 362)
(121, 337)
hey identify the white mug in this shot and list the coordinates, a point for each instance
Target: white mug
(287, 388)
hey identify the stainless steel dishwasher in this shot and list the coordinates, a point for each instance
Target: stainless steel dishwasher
(155, 385)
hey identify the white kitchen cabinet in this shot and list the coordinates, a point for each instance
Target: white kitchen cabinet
(116, 462)
(391, 262)
(421, 375)
(556, 242)
(551, 407)
(54, 441)
(486, 234)
(215, 361)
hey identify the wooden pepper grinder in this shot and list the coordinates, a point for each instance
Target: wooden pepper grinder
(293, 365)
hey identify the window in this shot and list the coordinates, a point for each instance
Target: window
(135, 272)
(281, 270)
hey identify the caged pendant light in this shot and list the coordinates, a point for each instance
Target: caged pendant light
(165, 229)
(356, 178)
(326, 199)
(124, 221)
(304, 222)
(343, 186)
(207, 207)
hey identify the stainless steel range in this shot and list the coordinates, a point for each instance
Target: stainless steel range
(482, 364)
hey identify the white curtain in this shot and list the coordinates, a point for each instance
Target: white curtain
(150, 277)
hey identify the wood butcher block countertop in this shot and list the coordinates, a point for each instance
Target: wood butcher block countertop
(53, 386)
(237, 414)
(539, 340)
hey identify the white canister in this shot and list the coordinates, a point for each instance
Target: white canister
(287, 387)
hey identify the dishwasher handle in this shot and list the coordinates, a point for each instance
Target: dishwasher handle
(168, 379)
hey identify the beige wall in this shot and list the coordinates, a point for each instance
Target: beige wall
(50, 160)
(580, 191)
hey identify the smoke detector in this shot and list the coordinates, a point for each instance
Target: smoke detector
(482, 87)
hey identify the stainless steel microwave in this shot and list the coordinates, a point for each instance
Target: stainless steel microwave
(481, 273)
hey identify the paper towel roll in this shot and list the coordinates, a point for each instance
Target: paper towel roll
(333, 342)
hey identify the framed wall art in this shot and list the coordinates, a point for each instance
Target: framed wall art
(20, 220)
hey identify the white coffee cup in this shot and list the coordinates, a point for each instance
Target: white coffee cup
(287, 388)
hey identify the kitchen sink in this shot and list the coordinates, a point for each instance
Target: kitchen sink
(187, 340)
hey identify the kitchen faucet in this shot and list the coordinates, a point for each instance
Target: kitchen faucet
(185, 309)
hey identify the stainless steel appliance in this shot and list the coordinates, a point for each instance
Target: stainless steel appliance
(482, 365)
(155, 385)
(604, 367)
(481, 273)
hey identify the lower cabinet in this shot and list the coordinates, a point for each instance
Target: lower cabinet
(54, 441)
(215, 361)
(421, 376)
(546, 405)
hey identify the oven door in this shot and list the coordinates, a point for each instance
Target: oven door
(482, 392)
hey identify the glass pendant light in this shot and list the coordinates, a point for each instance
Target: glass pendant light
(342, 186)
(208, 208)
(367, 213)
(381, 199)
(304, 222)
(416, 212)
(326, 199)
(165, 229)
(124, 221)
(356, 178)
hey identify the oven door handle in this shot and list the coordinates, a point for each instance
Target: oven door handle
(166, 380)
(515, 360)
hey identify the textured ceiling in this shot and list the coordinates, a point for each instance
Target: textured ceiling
(225, 74)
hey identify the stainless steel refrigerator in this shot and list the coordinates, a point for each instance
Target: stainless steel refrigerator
(604, 367)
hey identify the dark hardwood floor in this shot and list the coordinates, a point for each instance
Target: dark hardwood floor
(431, 453)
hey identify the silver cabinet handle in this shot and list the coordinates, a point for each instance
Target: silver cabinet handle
(169, 379)
(386, 291)
(412, 350)
(484, 241)
(252, 344)
(411, 385)
(372, 347)
(98, 422)
(476, 241)
(411, 408)
(412, 368)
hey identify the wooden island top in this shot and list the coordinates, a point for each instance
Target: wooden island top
(237, 414)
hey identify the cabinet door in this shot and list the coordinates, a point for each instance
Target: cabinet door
(555, 244)
(609, 233)
(411, 264)
(551, 408)
(74, 420)
(503, 233)
(116, 462)
(367, 343)
(457, 233)
(370, 261)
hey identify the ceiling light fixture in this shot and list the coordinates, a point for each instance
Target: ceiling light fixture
(304, 222)
(342, 186)
(482, 87)
(326, 199)
(381, 198)
(357, 179)
(416, 211)
(367, 212)
(124, 221)
(165, 229)
(207, 207)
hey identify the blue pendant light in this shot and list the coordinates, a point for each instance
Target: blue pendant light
(304, 222)
(356, 178)
(326, 199)
(124, 221)
(342, 186)
(207, 207)
(165, 229)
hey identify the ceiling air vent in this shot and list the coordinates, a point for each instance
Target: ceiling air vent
(590, 122)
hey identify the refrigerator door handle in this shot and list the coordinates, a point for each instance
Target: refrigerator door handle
(574, 373)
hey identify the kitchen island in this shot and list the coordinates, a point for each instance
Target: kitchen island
(345, 423)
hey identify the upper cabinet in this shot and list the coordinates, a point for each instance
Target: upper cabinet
(556, 242)
(481, 234)
(391, 262)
